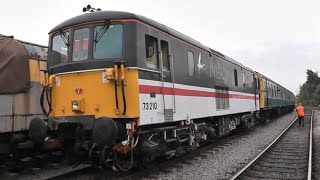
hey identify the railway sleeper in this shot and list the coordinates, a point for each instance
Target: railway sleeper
(267, 170)
(271, 160)
(274, 176)
(288, 154)
(283, 165)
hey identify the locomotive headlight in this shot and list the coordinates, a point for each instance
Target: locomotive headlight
(75, 105)
(78, 105)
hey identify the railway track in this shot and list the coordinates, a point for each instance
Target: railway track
(287, 157)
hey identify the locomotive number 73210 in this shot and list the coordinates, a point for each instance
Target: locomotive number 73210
(150, 106)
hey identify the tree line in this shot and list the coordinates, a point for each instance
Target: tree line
(309, 94)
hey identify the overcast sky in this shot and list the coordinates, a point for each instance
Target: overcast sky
(279, 38)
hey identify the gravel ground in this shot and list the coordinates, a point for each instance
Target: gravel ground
(223, 164)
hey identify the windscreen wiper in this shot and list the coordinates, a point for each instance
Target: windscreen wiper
(101, 32)
(64, 37)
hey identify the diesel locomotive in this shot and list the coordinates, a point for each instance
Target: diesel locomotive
(20, 76)
(124, 90)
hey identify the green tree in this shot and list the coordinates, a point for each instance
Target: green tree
(309, 94)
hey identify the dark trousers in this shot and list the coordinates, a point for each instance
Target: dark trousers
(301, 121)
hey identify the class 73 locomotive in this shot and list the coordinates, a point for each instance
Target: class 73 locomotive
(125, 90)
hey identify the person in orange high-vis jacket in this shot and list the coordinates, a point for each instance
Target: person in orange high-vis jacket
(300, 113)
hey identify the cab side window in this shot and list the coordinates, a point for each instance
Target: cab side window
(165, 54)
(152, 59)
(235, 73)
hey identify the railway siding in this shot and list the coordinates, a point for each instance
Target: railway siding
(287, 158)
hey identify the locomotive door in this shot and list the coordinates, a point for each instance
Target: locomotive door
(167, 78)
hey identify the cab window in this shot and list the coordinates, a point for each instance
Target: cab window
(152, 52)
(80, 44)
(107, 42)
(60, 48)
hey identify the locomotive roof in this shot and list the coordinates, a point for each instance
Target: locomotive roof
(113, 15)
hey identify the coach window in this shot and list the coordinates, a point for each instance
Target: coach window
(80, 44)
(107, 41)
(274, 91)
(235, 73)
(165, 54)
(152, 52)
(60, 48)
(191, 63)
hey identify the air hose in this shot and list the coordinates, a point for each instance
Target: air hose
(116, 93)
(124, 98)
(131, 160)
(49, 99)
(42, 100)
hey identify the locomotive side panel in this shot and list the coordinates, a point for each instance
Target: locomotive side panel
(194, 87)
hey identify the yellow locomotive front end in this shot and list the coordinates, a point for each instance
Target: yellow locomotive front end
(92, 110)
(105, 92)
(91, 91)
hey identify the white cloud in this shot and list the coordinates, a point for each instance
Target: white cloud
(284, 62)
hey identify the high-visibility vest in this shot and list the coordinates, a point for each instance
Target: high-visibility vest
(300, 110)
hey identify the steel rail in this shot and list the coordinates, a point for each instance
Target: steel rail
(260, 154)
(310, 150)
